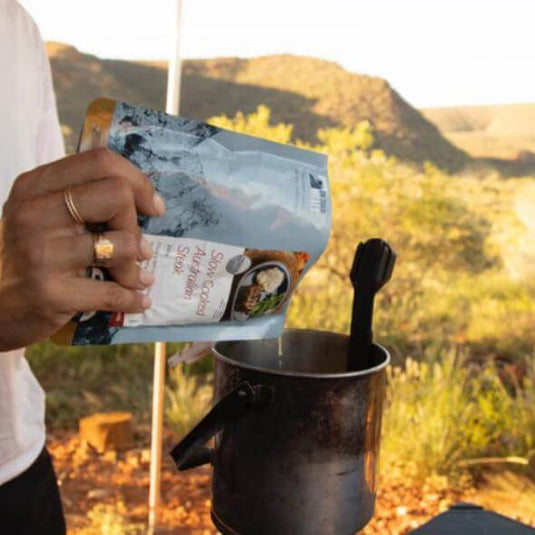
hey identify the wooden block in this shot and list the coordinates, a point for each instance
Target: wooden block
(107, 431)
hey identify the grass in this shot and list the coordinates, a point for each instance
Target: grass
(189, 397)
(110, 520)
(427, 399)
(82, 380)
(454, 411)
(499, 131)
(481, 144)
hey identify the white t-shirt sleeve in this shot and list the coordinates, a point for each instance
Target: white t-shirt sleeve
(49, 144)
(30, 135)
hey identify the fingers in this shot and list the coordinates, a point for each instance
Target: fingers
(111, 201)
(122, 266)
(89, 295)
(108, 200)
(127, 248)
(75, 253)
(87, 167)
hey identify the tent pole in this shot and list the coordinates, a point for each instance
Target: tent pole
(174, 75)
(156, 433)
(172, 106)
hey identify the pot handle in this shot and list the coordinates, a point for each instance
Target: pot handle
(191, 451)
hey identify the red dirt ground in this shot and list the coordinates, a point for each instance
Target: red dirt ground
(88, 479)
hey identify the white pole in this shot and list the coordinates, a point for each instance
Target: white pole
(175, 67)
(172, 106)
(156, 438)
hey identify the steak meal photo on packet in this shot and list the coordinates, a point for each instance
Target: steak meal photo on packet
(245, 219)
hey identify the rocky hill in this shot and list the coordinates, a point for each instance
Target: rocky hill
(500, 131)
(307, 92)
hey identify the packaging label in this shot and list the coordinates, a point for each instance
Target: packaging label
(198, 281)
(192, 281)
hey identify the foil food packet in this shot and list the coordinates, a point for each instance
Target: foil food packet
(246, 218)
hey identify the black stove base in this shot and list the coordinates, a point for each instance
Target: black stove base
(221, 526)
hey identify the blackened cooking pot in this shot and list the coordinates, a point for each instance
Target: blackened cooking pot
(296, 436)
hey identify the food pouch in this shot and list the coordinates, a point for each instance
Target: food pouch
(245, 219)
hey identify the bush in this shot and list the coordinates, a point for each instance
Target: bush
(188, 398)
(444, 411)
(426, 403)
(463, 244)
(111, 520)
(83, 380)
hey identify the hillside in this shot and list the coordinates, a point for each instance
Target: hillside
(307, 92)
(501, 131)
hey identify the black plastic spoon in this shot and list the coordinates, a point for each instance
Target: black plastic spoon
(372, 269)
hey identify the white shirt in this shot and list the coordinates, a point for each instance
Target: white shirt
(29, 136)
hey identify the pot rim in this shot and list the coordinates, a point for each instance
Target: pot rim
(305, 375)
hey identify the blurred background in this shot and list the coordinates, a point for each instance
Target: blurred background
(427, 112)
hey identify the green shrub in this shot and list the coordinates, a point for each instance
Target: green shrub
(107, 519)
(188, 398)
(427, 402)
(443, 411)
(82, 380)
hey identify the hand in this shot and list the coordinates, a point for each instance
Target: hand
(44, 253)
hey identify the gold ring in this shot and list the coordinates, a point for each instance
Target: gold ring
(103, 249)
(71, 207)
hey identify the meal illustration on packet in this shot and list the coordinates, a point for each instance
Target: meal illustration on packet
(245, 219)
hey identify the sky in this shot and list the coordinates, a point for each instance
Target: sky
(459, 52)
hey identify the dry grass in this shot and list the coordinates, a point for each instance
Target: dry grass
(501, 131)
(482, 144)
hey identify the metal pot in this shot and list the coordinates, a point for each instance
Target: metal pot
(297, 436)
